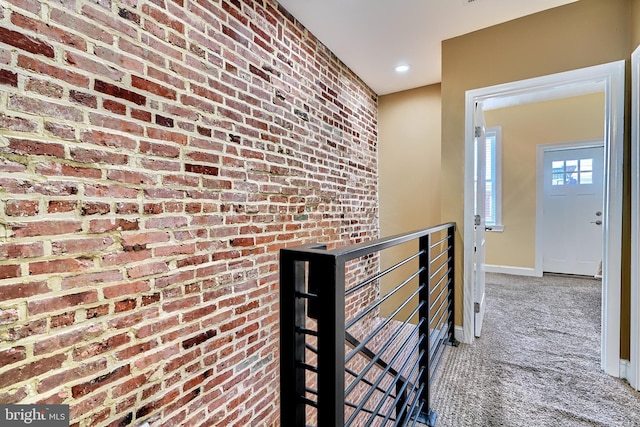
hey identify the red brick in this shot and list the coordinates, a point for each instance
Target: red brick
(62, 320)
(119, 58)
(51, 109)
(144, 238)
(67, 265)
(36, 148)
(110, 122)
(62, 74)
(18, 124)
(37, 327)
(30, 370)
(8, 78)
(45, 228)
(79, 407)
(13, 396)
(50, 31)
(12, 355)
(152, 87)
(83, 370)
(126, 289)
(85, 99)
(101, 310)
(48, 89)
(21, 207)
(126, 305)
(23, 290)
(114, 107)
(95, 208)
(57, 169)
(91, 279)
(88, 28)
(66, 339)
(83, 245)
(135, 318)
(159, 149)
(55, 206)
(60, 130)
(61, 302)
(119, 92)
(26, 43)
(8, 316)
(147, 269)
(157, 327)
(165, 135)
(97, 156)
(129, 177)
(97, 348)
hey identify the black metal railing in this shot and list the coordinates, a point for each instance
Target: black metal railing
(361, 342)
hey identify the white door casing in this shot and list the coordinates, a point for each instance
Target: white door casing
(479, 219)
(572, 205)
(633, 375)
(607, 78)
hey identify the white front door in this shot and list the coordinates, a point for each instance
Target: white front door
(479, 219)
(573, 210)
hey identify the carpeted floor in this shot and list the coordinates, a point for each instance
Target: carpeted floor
(537, 362)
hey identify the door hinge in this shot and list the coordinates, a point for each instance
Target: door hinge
(478, 131)
(476, 307)
(476, 220)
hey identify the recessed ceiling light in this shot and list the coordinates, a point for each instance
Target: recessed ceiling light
(402, 68)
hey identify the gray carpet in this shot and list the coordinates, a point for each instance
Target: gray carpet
(537, 362)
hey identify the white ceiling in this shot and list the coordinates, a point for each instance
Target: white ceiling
(372, 37)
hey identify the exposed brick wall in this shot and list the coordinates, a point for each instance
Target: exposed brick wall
(154, 156)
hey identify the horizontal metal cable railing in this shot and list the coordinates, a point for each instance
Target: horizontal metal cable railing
(361, 342)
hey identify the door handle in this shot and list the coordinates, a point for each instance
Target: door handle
(598, 222)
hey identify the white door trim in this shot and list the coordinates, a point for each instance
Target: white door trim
(540, 149)
(634, 366)
(607, 78)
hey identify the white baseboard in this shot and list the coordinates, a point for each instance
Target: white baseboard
(516, 271)
(625, 369)
(458, 333)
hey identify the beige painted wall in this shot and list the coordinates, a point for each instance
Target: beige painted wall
(523, 128)
(577, 35)
(409, 126)
(635, 24)
(409, 159)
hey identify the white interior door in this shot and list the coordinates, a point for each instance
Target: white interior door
(573, 210)
(479, 219)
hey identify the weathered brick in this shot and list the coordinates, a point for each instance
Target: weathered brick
(8, 78)
(153, 167)
(91, 279)
(86, 388)
(118, 92)
(8, 316)
(22, 290)
(152, 87)
(81, 371)
(22, 207)
(50, 31)
(46, 228)
(66, 339)
(48, 89)
(30, 370)
(51, 109)
(62, 320)
(65, 75)
(37, 148)
(61, 302)
(13, 355)
(26, 43)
